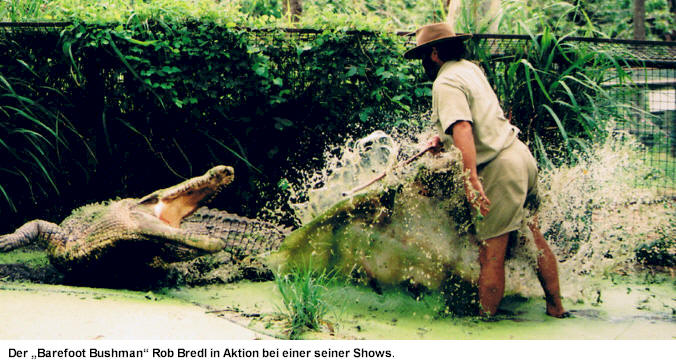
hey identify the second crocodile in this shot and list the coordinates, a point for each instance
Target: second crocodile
(166, 233)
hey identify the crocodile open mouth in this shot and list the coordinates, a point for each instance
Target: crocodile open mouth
(173, 204)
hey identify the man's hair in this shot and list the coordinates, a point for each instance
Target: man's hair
(453, 51)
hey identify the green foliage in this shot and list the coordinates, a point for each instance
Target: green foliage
(660, 252)
(520, 17)
(35, 133)
(615, 18)
(553, 90)
(165, 96)
(594, 18)
(362, 72)
(391, 14)
(583, 18)
(260, 8)
(302, 296)
(120, 11)
(33, 258)
(20, 10)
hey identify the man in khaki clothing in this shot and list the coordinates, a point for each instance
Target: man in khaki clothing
(502, 181)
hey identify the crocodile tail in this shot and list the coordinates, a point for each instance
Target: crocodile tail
(242, 236)
(41, 232)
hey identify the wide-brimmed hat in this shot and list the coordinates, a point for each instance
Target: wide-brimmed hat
(433, 35)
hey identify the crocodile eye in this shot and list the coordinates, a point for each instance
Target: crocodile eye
(151, 200)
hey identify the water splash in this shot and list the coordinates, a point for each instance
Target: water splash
(419, 238)
(358, 161)
(597, 212)
(592, 213)
(351, 165)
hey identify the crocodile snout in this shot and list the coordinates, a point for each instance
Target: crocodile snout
(220, 175)
(173, 204)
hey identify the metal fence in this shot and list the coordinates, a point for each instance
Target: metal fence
(651, 93)
(653, 121)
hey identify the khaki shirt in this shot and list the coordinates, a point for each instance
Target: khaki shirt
(462, 92)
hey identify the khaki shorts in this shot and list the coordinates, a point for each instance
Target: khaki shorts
(510, 182)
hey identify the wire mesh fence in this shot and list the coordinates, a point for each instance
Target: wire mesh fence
(652, 119)
(648, 92)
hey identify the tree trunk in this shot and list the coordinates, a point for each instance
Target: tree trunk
(671, 36)
(492, 11)
(292, 9)
(485, 14)
(452, 12)
(639, 19)
(639, 34)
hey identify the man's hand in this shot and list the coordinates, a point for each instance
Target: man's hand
(434, 145)
(476, 196)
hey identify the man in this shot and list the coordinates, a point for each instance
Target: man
(502, 171)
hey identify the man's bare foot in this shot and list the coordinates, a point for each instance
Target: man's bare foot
(558, 313)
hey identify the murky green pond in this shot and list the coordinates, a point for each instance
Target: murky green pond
(627, 308)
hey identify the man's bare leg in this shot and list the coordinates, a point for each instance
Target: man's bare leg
(548, 273)
(492, 273)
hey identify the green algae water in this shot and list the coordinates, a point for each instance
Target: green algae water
(70, 313)
(630, 308)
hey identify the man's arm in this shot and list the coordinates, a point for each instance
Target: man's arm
(464, 141)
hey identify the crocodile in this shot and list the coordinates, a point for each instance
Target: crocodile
(165, 234)
(414, 232)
